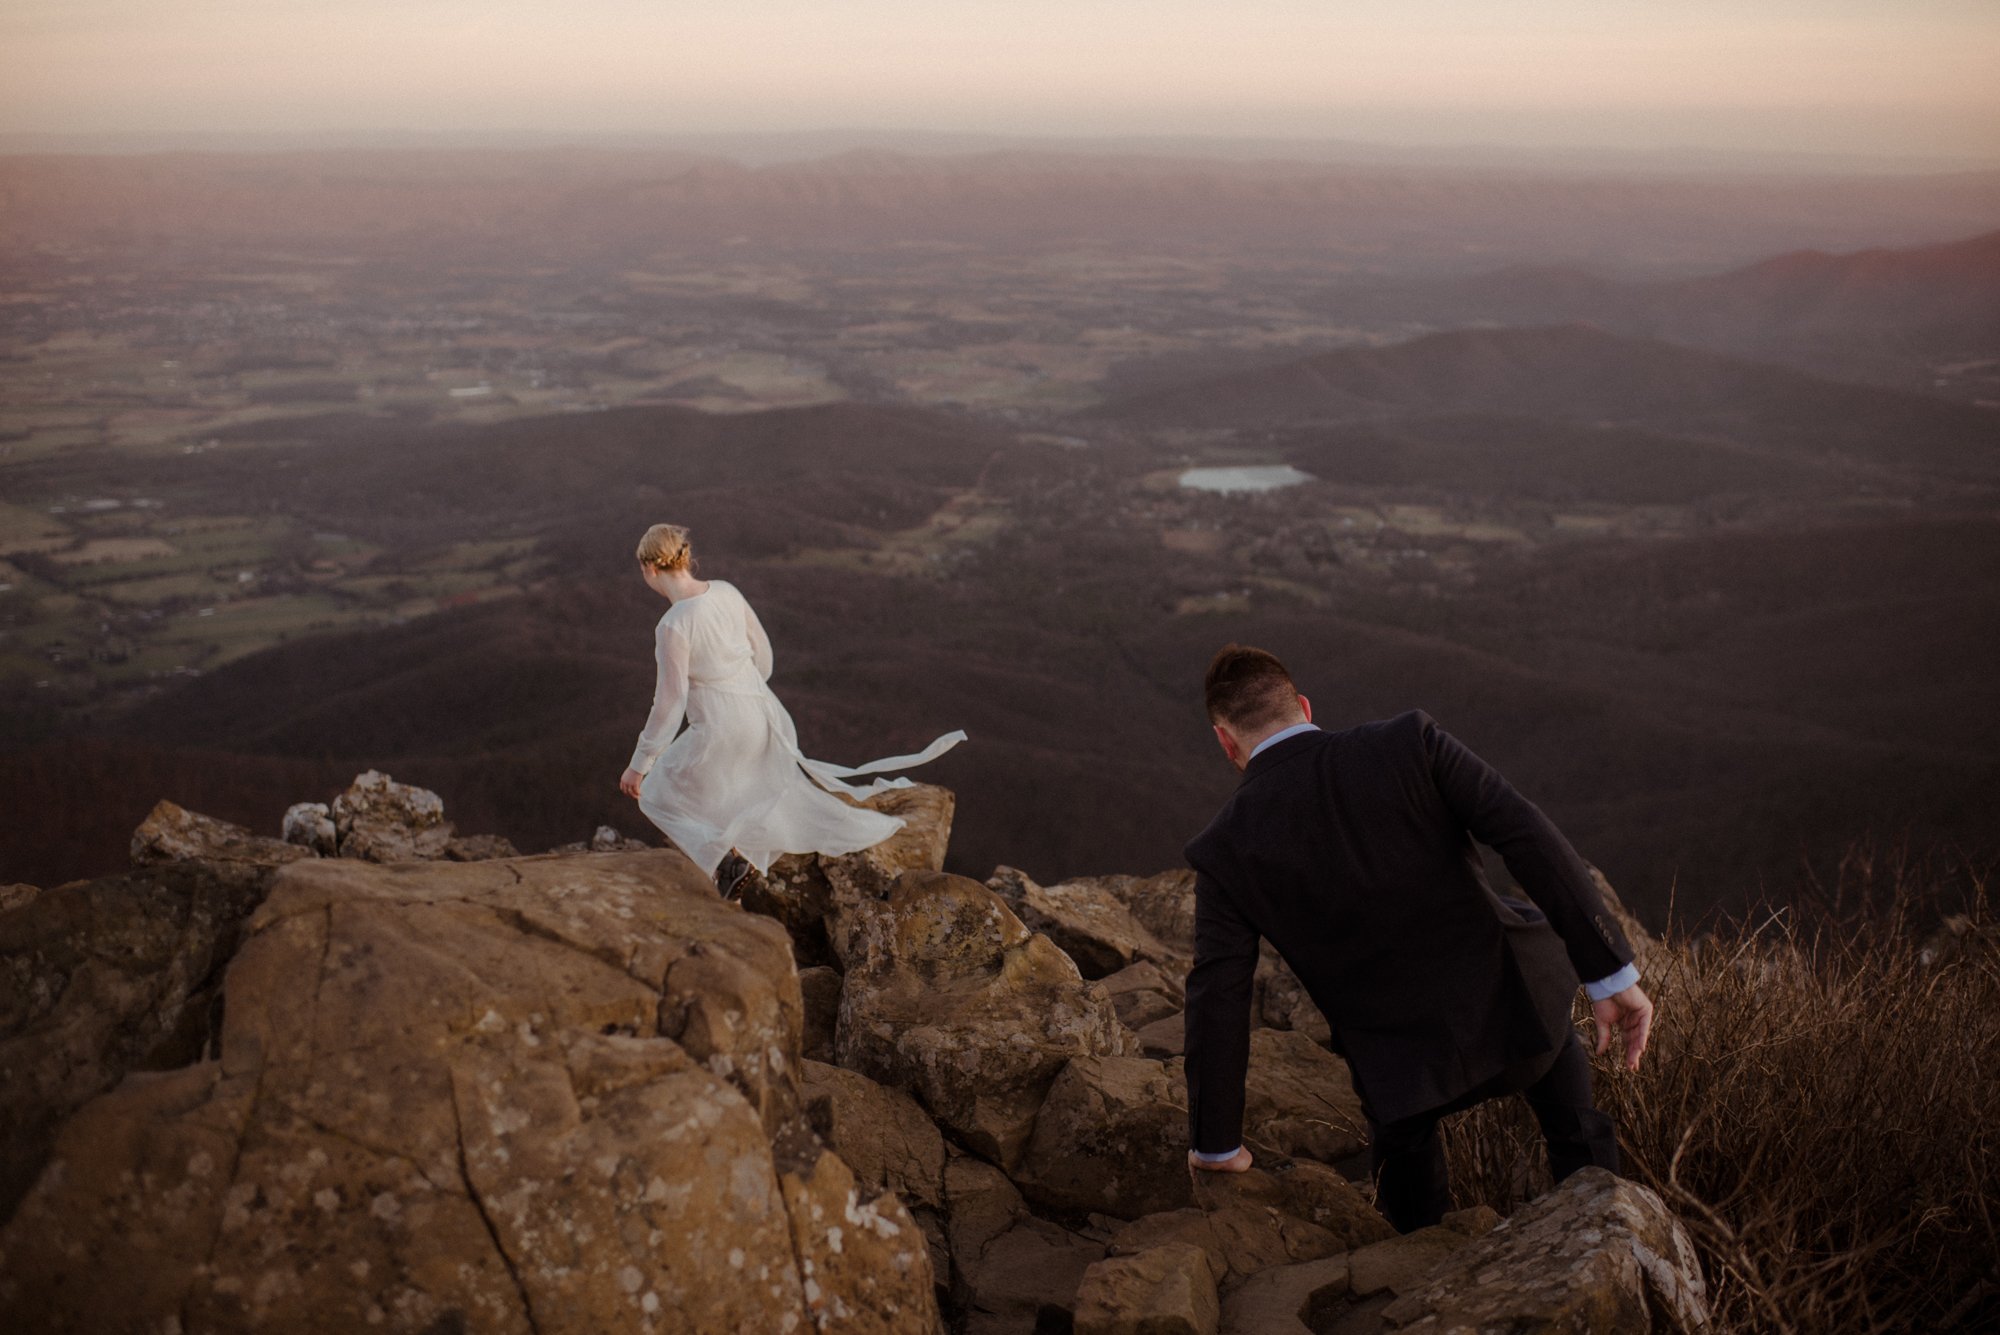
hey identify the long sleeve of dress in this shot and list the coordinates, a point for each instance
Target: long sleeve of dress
(760, 643)
(670, 653)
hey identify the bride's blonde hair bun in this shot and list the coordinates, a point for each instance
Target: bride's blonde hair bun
(665, 547)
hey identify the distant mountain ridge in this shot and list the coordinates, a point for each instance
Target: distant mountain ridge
(596, 202)
(1578, 372)
(1883, 309)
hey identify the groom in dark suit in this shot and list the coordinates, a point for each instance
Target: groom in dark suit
(1353, 854)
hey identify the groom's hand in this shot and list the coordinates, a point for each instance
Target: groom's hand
(628, 782)
(1630, 1013)
(1238, 1162)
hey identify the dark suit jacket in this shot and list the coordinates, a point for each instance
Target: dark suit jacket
(1352, 853)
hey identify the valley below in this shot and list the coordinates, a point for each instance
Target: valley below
(283, 498)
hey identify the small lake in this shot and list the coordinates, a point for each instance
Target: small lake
(1258, 477)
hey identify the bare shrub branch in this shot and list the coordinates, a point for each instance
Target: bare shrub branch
(1820, 1103)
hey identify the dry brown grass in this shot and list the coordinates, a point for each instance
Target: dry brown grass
(1820, 1104)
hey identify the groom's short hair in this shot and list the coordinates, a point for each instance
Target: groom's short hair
(1248, 688)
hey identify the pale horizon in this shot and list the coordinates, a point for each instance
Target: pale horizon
(1810, 77)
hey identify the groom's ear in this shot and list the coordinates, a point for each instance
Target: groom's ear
(1229, 747)
(1306, 707)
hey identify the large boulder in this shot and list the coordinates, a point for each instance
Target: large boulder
(1299, 1299)
(1164, 906)
(172, 833)
(1141, 994)
(1111, 1137)
(1238, 1239)
(949, 996)
(1345, 1292)
(1303, 1190)
(864, 1265)
(882, 1134)
(1596, 1253)
(1167, 1290)
(888, 1142)
(1282, 1002)
(1299, 1099)
(814, 895)
(1085, 918)
(102, 977)
(381, 820)
(310, 825)
(1012, 1273)
(1163, 1038)
(552, 1093)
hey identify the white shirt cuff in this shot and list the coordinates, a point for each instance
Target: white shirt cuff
(1223, 1157)
(1613, 984)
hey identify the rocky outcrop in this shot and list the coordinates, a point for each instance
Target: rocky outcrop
(1303, 1190)
(172, 833)
(1012, 1272)
(1163, 1038)
(1282, 1002)
(1164, 905)
(819, 988)
(863, 1264)
(380, 820)
(121, 973)
(1085, 918)
(814, 896)
(1596, 1253)
(882, 1134)
(1240, 1239)
(605, 839)
(480, 847)
(1141, 993)
(1298, 1099)
(1111, 1137)
(310, 825)
(465, 1090)
(384, 821)
(1297, 1299)
(1347, 1292)
(1167, 1290)
(124, 973)
(949, 996)
(544, 1093)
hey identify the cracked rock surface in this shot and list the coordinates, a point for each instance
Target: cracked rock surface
(122, 973)
(545, 1094)
(950, 996)
(1596, 1253)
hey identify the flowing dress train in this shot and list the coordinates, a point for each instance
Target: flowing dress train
(736, 777)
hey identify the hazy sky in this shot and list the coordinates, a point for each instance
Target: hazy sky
(1900, 76)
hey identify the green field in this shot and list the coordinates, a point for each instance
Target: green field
(121, 597)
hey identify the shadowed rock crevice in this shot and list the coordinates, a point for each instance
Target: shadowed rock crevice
(214, 1235)
(119, 974)
(486, 1218)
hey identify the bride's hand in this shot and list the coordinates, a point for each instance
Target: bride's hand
(629, 781)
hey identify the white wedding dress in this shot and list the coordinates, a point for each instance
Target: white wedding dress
(736, 778)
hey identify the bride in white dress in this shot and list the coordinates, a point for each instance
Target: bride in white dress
(736, 780)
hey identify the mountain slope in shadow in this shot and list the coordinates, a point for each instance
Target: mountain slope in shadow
(1578, 373)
